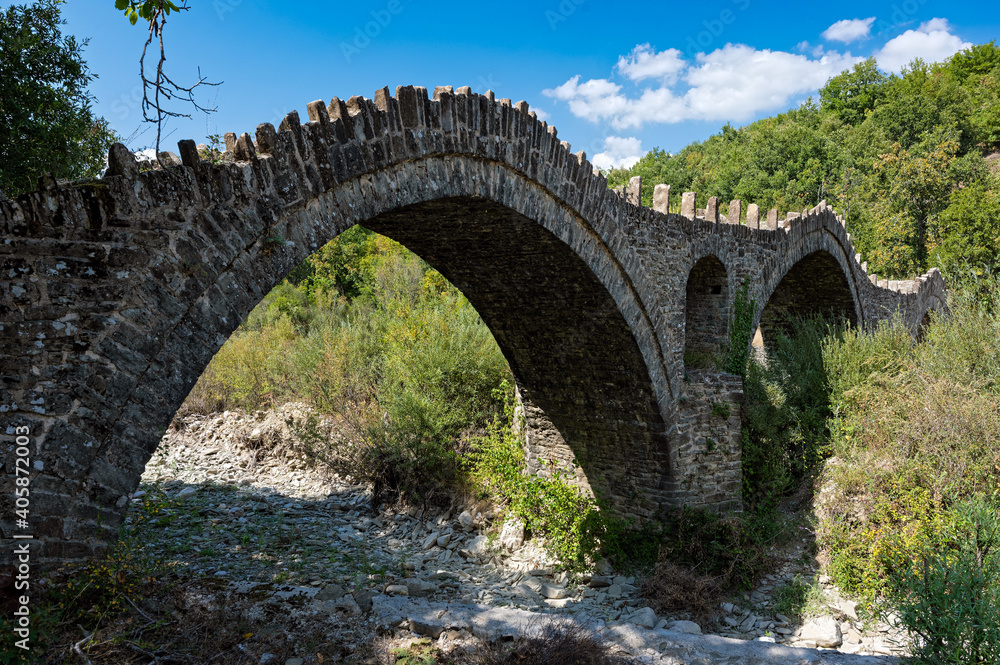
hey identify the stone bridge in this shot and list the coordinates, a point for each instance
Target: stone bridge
(116, 294)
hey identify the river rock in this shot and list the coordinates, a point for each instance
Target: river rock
(645, 617)
(512, 534)
(479, 546)
(824, 631)
(552, 591)
(689, 627)
(420, 588)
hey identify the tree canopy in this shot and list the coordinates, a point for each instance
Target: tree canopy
(46, 122)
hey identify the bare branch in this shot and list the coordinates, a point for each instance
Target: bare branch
(164, 89)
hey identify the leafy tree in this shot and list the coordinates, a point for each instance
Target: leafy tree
(918, 183)
(968, 230)
(345, 265)
(46, 123)
(979, 60)
(923, 100)
(853, 94)
(656, 166)
(977, 69)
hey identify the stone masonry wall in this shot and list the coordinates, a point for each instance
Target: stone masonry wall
(709, 448)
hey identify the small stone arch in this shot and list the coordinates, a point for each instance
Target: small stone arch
(815, 286)
(706, 310)
(934, 305)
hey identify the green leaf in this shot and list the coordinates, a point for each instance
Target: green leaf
(121, 5)
(133, 17)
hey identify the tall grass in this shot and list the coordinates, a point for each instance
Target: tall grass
(915, 435)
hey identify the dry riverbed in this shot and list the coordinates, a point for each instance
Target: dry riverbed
(288, 564)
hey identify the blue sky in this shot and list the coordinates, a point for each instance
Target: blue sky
(616, 79)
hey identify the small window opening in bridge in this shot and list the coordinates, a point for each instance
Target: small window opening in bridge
(707, 313)
(922, 328)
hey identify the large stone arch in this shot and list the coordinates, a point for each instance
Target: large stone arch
(587, 360)
(587, 393)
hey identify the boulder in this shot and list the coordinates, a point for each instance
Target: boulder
(512, 534)
(824, 631)
(645, 617)
(479, 546)
(689, 627)
(552, 591)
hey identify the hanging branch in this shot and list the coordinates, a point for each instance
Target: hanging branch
(162, 88)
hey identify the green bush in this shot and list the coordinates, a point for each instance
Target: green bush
(785, 430)
(741, 332)
(914, 436)
(573, 524)
(949, 597)
(368, 332)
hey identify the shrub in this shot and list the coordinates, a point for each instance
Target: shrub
(914, 436)
(374, 336)
(949, 598)
(740, 332)
(731, 548)
(93, 593)
(574, 526)
(787, 405)
(673, 588)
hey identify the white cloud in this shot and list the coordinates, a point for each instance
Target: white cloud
(643, 63)
(735, 82)
(849, 30)
(593, 99)
(540, 114)
(619, 152)
(932, 42)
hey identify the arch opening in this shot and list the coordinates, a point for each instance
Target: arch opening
(588, 401)
(706, 312)
(814, 286)
(589, 404)
(925, 323)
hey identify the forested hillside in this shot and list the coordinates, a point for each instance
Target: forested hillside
(905, 158)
